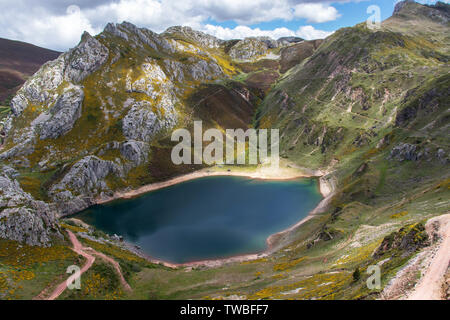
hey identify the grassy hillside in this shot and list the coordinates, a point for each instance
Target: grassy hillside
(370, 108)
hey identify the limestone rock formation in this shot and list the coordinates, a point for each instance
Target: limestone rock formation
(203, 39)
(61, 118)
(248, 48)
(85, 58)
(22, 218)
(142, 122)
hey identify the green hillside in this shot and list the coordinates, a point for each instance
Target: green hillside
(367, 108)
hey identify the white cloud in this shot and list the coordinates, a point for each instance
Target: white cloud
(53, 31)
(316, 12)
(240, 32)
(310, 33)
(49, 24)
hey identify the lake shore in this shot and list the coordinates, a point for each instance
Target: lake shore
(287, 171)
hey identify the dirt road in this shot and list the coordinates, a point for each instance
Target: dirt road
(114, 263)
(429, 287)
(78, 248)
(89, 254)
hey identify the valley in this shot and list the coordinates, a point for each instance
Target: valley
(365, 112)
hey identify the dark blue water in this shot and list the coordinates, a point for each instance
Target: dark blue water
(207, 218)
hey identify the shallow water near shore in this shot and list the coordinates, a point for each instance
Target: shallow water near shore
(207, 218)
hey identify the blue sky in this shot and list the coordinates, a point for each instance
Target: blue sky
(58, 24)
(351, 13)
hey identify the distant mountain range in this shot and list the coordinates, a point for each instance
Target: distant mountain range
(18, 61)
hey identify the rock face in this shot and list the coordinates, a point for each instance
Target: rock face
(62, 116)
(39, 89)
(203, 39)
(406, 240)
(247, 49)
(84, 181)
(87, 176)
(22, 218)
(288, 40)
(200, 70)
(142, 122)
(52, 96)
(411, 152)
(134, 151)
(85, 58)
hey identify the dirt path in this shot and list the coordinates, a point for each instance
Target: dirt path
(429, 287)
(78, 248)
(115, 264)
(88, 253)
(432, 262)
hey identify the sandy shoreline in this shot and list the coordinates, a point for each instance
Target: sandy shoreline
(289, 172)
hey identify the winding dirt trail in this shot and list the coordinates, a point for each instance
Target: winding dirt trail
(88, 253)
(429, 287)
(78, 248)
(115, 264)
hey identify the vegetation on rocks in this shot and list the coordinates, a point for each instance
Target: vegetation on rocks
(369, 108)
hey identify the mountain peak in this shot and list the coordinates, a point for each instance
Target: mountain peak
(186, 32)
(439, 12)
(403, 5)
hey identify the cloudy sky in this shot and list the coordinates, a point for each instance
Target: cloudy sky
(58, 24)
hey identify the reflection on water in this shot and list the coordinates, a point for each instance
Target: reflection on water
(207, 218)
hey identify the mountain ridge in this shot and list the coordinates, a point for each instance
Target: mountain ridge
(367, 107)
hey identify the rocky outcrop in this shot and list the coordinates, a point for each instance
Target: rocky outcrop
(202, 39)
(271, 43)
(174, 70)
(87, 176)
(85, 58)
(442, 156)
(284, 41)
(61, 118)
(412, 152)
(22, 218)
(84, 181)
(137, 37)
(40, 88)
(202, 70)
(404, 151)
(142, 123)
(406, 240)
(248, 48)
(134, 151)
